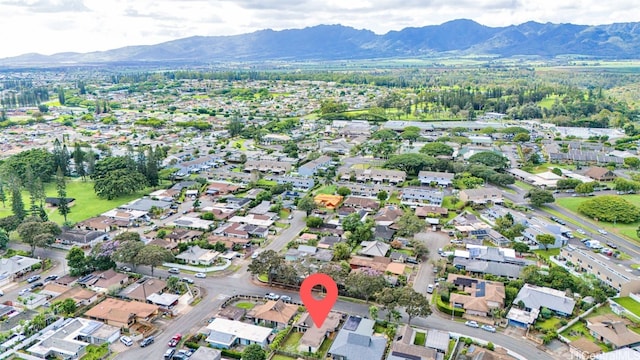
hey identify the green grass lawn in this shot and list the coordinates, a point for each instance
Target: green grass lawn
(523, 185)
(547, 253)
(245, 305)
(577, 331)
(239, 144)
(326, 344)
(420, 338)
(327, 189)
(86, 205)
(629, 304)
(627, 230)
(552, 323)
(291, 345)
(282, 357)
(264, 182)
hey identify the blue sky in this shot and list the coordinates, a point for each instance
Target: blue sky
(52, 26)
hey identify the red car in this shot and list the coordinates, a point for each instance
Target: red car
(175, 340)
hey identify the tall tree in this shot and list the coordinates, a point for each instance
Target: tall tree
(61, 156)
(3, 195)
(37, 233)
(78, 263)
(307, 204)
(4, 239)
(545, 240)
(17, 205)
(414, 303)
(539, 197)
(254, 352)
(30, 185)
(153, 255)
(127, 252)
(79, 161)
(61, 187)
(91, 161)
(152, 167)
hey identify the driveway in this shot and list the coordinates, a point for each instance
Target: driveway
(433, 240)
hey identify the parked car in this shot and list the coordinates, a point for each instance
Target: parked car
(602, 231)
(285, 298)
(174, 271)
(51, 278)
(24, 291)
(125, 269)
(1, 293)
(272, 296)
(173, 343)
(168, 355)
(200, 275)
(36, 285)
(187, 280)
(186, 352)
(472, 324)
(612, 245)
(488, 328)
(580, 231)
(147, 341)
(430, 289)
(34, 278)
(126, 340)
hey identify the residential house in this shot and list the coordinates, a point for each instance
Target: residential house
(275, 314)
(600, 174)
(101, 223)
(585, 261)
(612, 330)
(311, 168)
(429, 178)
(480, 297)
(70, 338)
(359, 202)
(314, 336)
(218, 188)
(79, 295)
(328, 201)
(225, 334)
(538, 227)
(438, 340)
(206, 353)
(104, 281)
(428, 211)
(377, 176)
(192, 222)
(297, 182)
(388, 215)
(374, 248)
(327, 242)
(490, 260)
(146, 205)
(619, 354)
(268, 166)
(481, 196)
(122, 314)
(80, 237)
(141, 289)
(419, 196)
(378, 263)
(356, 341)
(195, 255)
(183, 235)
(384, 233)
(537, 297)
(403, 347)
(15, 266)
(584, 349)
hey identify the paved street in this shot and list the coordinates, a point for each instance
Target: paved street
(425, 276)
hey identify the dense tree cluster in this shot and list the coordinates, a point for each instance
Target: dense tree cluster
(610, 208)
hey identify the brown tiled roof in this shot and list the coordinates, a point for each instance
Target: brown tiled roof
(120, 311)
(275, 311)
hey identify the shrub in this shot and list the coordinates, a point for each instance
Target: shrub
(231, 354)
(490, 346)
(192, 345)
(610, 209)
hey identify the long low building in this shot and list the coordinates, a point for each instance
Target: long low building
(623, 281)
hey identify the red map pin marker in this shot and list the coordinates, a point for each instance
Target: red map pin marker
(319, 308)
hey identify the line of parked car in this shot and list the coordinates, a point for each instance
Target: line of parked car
(484, 327)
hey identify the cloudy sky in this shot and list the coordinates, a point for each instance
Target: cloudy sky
(51, 26)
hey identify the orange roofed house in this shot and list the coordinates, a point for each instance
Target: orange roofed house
(122, 313)
(329, 201)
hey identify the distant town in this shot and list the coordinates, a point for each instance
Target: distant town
(463, 213)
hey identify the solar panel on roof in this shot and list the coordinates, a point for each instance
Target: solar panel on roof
(352, 323)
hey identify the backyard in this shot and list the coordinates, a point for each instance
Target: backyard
(629, 304)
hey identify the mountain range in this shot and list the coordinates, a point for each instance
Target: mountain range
(338, 42)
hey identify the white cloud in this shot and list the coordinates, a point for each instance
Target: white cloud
(90, 25)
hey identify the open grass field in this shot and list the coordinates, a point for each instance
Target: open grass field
(86, 205)
(627, 230)
(327, 189)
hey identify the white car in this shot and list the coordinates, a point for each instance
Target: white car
(580, 231)
(24, 291)
(200, 275)
(603, 232)
(126, 340)
(472, 324)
